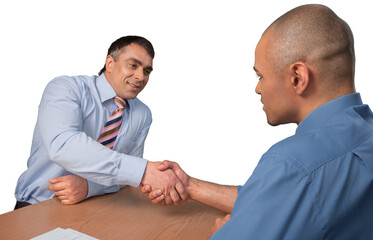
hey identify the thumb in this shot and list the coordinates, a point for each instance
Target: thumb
(165, 165)
(55, 180)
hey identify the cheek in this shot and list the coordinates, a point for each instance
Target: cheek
(145, 82)
(124, 72)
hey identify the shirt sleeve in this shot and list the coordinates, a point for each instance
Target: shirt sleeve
(277, 202)
(60, 123)
(95, 189)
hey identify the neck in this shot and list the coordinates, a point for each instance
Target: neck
(309, 104)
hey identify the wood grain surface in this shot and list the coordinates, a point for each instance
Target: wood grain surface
(127, 214)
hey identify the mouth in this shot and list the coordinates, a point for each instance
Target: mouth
(262, 104)
(134, 86)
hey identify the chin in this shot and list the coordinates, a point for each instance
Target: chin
(278, 122)
(273, 122)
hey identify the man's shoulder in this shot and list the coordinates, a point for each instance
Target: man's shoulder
(315, 148)
(310, 150)
(77, 80)
(75, 85)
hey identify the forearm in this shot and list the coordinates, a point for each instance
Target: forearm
(97, 163)
(221, 197)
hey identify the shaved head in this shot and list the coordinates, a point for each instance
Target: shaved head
(315, 35)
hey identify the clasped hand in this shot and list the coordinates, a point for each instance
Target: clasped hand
(166, 183)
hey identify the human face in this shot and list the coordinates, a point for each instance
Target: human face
(129, 73)
(274, 89)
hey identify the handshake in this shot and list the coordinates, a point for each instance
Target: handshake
(166, 183)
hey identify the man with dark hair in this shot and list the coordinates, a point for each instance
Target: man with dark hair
(318, 183)
(115, 48)
(90, 133)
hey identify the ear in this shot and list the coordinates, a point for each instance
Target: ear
(109, 63)
(300, 77)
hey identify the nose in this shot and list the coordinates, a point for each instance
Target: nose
(139, 74)
(258, 88)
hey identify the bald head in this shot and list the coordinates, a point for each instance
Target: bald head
(313, 34)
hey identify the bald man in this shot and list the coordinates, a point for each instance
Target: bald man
(318, 183)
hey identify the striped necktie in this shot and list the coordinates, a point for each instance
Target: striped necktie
(111, 129)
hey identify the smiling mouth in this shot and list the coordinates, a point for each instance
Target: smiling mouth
(134, 86)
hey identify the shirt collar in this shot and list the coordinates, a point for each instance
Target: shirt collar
(322, 114)
(105, 90)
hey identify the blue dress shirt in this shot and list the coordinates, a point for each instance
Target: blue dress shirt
(317, 184)
(72, 114)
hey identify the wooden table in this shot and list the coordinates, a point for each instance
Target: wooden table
(127, 214)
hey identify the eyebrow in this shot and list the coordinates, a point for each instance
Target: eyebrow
(140, 63)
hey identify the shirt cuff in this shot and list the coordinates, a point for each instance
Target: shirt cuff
(131, 170)
(239, 188)
(94, 189)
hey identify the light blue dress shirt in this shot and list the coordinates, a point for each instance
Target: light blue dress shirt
(72, 114)
(317, 184)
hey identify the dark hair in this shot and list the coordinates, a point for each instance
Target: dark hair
(116, 47)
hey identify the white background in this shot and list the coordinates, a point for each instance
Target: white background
(206, 115)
